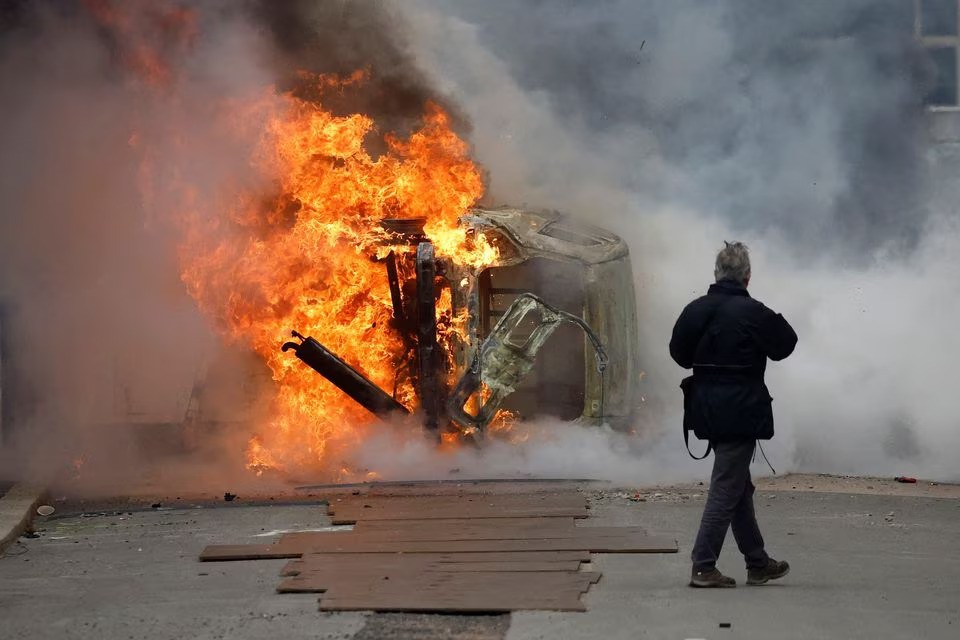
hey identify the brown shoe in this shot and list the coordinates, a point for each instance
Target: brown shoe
(711, 580)
(772, 571)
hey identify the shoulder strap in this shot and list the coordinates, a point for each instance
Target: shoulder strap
(686, 441)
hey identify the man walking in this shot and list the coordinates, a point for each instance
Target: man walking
(726, 337)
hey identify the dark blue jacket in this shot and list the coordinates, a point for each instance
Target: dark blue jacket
(726, 337)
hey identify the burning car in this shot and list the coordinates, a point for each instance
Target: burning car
(405, 294)
(552, 275)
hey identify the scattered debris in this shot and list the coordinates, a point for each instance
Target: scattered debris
(659, 494)
(30, 534)
(889, 517)
(229, 497)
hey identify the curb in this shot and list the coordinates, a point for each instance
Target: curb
(17, 508)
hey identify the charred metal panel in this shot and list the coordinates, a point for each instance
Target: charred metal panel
(610, 308)
(550, 235)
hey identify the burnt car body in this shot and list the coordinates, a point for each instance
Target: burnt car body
(551, 327)
(579, 269)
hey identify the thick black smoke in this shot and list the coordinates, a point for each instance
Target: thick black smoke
(339, 38)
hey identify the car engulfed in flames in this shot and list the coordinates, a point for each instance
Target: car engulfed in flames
(411, 302)
(494, 349)
(333, 230)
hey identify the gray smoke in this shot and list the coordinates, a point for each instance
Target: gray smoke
(797, 127)
(794, 126)
(102, 346)
(112, 111)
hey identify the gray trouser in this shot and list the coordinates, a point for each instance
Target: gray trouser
(729, 504)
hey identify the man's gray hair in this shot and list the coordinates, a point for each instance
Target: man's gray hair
(733, 263)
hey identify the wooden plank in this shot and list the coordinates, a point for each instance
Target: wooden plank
(309, 539)
(503, 567)
(502, 591)
(441, 584)
(594, 544)
(340, 562)
(227, 552)
(317, 580)
(478, 487)
(441, 502)
(352, 516)
(457, 567)
(349, 510)
(604, 542)
(464, 523)
(567, 499)
(333, 571)
(336, 542)
(507, 556)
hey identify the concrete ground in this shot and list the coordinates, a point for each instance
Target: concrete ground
(865, 565)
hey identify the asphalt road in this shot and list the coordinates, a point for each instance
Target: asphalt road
(864, 566)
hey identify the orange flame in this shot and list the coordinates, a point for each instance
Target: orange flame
(304, 256)
(305, 259)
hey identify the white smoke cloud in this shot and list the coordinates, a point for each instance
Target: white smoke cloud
(738, 121)
(544, 449)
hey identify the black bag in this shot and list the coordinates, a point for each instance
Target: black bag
(689, 424)
(687, 385)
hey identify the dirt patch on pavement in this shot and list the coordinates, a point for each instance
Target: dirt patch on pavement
(856, 485)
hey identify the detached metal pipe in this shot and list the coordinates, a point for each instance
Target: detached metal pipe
(344, 377)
